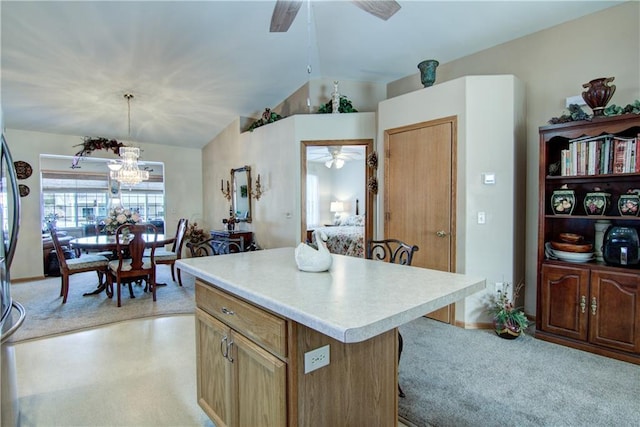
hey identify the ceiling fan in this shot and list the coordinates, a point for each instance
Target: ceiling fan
(334, 156)
(285, 11)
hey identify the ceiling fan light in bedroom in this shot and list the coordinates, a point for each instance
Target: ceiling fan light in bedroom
(338, 163)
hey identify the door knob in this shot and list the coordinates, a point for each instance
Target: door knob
(441, 233)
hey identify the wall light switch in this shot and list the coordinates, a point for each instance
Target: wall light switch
(489, 178)
(482, 218)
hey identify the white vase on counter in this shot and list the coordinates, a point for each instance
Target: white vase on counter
(314, 260)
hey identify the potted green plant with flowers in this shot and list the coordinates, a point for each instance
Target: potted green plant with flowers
(510, 321)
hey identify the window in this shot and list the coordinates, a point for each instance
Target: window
(79, 198)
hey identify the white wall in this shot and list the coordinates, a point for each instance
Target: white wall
(364, 96)
(553, 64)
(349, 185)
(183, 188)
(488, 141)
(274, 152)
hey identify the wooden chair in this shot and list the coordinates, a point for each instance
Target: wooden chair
(164, 256)
(396, 252)
(71, 266)
(132, 265)
(216, 246)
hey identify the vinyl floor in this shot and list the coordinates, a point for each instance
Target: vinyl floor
(133, 373)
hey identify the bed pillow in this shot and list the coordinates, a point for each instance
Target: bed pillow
(353, 220)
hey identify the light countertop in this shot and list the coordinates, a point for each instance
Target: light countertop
(355, 300)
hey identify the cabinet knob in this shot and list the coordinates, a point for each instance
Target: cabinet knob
(225, 310)
(583, 303)
(441, 233)
(594, 305)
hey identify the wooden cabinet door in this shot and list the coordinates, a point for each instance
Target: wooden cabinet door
(614, 308)
(565, 300)
(259, 385)
(214, 370)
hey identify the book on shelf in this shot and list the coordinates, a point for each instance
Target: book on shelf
(600, 155)
(624, 161)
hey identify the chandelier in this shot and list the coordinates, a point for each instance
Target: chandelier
(126, 171)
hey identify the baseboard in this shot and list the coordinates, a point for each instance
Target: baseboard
(486, 325)
(481, 325)
(28, 279)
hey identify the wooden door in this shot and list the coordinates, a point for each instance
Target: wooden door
(420, 194)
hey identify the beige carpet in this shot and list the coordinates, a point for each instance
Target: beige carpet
(46, 315)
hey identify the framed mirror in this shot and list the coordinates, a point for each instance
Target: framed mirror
(241, 194)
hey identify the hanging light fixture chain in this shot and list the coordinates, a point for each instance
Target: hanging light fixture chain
(129, 97)
(128, 172)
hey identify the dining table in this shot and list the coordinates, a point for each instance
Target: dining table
(107, 242)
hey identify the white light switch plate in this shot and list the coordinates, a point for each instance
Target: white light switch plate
(489, 178)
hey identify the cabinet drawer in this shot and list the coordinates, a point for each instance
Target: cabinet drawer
(266, 329)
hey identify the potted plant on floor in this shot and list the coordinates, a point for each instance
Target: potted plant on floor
(510, 322)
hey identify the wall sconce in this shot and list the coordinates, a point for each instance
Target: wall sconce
(258, 191)
(227, 193)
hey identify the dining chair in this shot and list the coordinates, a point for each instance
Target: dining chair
(132, 265)
(164, 256)
(81, 264)
(397, 252)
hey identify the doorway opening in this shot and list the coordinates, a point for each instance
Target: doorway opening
(334, 194)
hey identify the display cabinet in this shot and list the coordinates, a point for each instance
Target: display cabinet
(587, 303)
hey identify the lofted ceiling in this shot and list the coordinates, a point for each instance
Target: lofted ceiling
(194, 67)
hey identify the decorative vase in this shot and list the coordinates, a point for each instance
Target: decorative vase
(628, 203)
(597, 203)
(563, 202)
(428, 71)
(335, 99)
(598, 94)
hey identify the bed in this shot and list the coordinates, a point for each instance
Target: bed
(346, 237)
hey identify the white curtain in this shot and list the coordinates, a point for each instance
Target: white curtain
(313, 209)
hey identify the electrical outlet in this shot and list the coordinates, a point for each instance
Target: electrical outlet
(316, 359)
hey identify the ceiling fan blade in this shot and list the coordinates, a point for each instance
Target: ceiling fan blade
(382, 9)
(283, 15)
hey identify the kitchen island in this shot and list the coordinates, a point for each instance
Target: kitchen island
(278, 346)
